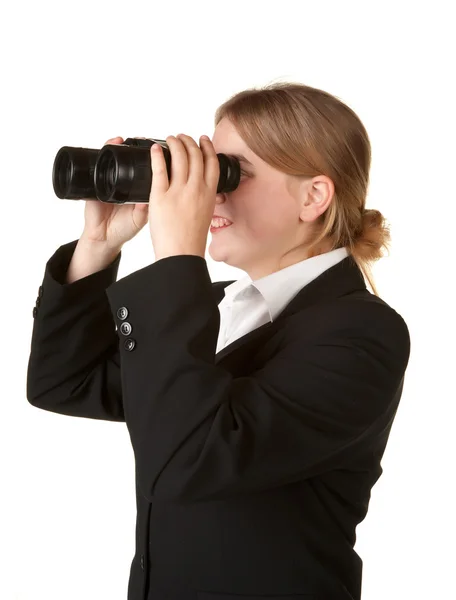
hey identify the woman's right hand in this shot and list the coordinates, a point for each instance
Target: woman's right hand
(113, 224)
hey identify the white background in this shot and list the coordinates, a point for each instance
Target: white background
(80, 73)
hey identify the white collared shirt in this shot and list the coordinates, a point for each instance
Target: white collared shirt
(249, 304)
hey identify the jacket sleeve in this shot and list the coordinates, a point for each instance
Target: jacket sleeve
(74, 362)
(198, 433)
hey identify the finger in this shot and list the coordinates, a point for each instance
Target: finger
(114, 140)
(179, 161)
(160, 182)
(195, 158)
(211, 163)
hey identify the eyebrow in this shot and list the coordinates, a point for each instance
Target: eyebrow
(242, 159)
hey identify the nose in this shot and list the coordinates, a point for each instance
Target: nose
(219, 198)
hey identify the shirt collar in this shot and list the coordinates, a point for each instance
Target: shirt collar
(280, 287)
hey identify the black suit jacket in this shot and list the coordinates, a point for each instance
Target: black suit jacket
(254, 465)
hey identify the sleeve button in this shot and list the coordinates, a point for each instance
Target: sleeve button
(122, 313)
(125, 328)
(35, 310)
(129, 344)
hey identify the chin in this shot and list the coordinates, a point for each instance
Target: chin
(217, 256)
(219, 253)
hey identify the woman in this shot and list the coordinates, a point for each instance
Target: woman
(258, 409)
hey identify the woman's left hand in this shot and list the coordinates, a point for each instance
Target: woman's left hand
(180, 212)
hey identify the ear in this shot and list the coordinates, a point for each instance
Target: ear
(317, 194)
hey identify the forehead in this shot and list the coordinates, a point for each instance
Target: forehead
(227, 140)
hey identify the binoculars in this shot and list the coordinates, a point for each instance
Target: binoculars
(121, 173)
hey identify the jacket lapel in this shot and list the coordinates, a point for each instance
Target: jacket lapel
(343, 278)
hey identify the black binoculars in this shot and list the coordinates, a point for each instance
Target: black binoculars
(121, 173)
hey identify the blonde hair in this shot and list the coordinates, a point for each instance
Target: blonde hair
(304, 132)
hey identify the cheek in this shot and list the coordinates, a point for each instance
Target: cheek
(267, 213)
(264, 225)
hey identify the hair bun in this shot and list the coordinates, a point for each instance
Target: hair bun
(374, 235)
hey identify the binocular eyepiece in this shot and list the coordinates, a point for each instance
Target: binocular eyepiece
(121, 173)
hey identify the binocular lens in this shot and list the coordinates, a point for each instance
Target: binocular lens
(72, 173)
(65, 171)
(120, 175)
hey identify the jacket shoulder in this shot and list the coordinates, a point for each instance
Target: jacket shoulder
(375, 308)
(359, 320)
